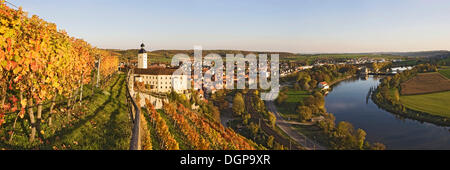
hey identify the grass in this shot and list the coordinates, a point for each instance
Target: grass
(314, 133)
(435, 103)
(105, 125)
(445, 73)
(296, 96)
(288, 108)
(100, 123)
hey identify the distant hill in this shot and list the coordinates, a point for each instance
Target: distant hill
(421, 54)
(165, 56)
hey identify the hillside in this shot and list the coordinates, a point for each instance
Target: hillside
(100, 122)
(177, 127)
(422, 54)
(165, 56)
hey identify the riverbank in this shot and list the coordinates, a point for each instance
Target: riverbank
(347, 101)
(416, 94)
(341, 79)
(321, 133)
(287, 109)
(409, 113)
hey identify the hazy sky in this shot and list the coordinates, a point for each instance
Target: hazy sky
(305, 26)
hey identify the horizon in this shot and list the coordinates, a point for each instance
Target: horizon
(300, 27)
(378, 52)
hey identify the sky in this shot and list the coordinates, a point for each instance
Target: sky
(299, 26)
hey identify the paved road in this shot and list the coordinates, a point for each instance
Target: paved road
(268, 130)
(288, 129)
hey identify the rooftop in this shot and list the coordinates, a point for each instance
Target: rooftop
(155, 71)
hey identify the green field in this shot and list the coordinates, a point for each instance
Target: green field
(435, 103)
(287, 109)
(296, 96)
(445, 72)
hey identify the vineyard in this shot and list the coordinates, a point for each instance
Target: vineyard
(42, 73)
(177, 127)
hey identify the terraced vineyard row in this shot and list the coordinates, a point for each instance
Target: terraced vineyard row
(192, 131)
(165, 138)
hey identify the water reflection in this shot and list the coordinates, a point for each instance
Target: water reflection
(350, 101)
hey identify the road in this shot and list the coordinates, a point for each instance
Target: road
(257, 118)
(286, 126)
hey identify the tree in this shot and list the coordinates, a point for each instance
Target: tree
(305, 86)
(396, 95)
(238, 104)
(309, 101)
(296, 86)
(319, 99)
(360, 137)
(38, 62)
(254, 129)
(344, 129)
(278, 146)
(282, 97)
(313, 84)
(270, 141)
(245, 118)
(378, 146)
(272, 119)
(214, 111)
(305, 113)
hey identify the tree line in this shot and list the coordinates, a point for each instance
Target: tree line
(387, 94)
(341, 136)
(309, 79)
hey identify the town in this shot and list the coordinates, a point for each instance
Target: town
(291, 75)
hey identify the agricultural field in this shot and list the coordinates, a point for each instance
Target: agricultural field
(312, 57)
(425, 83)
(435, 103)
(176, 127)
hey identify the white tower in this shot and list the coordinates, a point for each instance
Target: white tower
(142, 57)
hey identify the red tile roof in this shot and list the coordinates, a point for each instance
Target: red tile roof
(155, 71)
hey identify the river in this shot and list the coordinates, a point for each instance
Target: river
(347, 101)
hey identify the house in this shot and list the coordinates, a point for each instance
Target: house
(323, 85)
(364, 71)
(159, 79)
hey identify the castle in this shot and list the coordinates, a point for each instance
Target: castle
(158, 79)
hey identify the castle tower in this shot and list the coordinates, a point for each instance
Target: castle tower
(142, 57)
